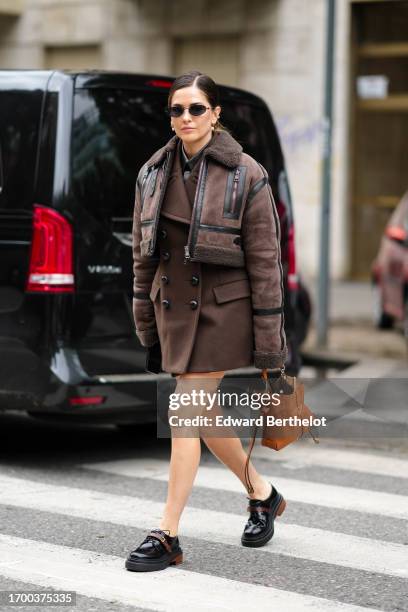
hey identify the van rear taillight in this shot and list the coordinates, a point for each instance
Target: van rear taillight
(51, 257)
(90, 400)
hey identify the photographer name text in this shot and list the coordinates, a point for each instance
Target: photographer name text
(230, 421)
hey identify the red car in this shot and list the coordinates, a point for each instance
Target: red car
(390, 271)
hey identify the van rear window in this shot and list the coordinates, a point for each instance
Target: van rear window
(114, 133)
(19, 129)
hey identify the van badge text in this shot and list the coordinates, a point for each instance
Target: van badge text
(105, 269)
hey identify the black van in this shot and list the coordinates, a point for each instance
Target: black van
(71, 146)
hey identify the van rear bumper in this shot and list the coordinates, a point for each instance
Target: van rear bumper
(133, 401)
(29, 383)
(126, 398)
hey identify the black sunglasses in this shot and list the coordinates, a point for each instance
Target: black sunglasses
(195, 110)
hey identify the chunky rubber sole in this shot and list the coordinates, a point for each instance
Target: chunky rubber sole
(152, 566)
(267, 535)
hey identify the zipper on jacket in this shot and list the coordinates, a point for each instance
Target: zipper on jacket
(187, 256)
(143, 186)
(234, 190)
(154, 181)
(196, 213)
(163, 184)
(144, 177)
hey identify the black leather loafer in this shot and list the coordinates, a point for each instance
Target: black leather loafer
(260, 526)
(157, 551)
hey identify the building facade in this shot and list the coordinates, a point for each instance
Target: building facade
(276, 48)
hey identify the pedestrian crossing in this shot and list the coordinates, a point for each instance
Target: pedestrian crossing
(308, 492)
(325, 553)
(88, 573)
(307, 454)
(211, 525)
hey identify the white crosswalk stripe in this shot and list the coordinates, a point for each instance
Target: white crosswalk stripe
(97, 575)
(298, 455)
(331, 496)
(209, 525)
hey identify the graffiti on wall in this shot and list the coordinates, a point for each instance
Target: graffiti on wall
(296, 135)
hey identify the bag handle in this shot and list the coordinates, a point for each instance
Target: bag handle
(248, 484)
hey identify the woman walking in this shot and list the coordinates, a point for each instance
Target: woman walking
(208, 287)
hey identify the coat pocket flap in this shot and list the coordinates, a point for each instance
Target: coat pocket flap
(232, 291)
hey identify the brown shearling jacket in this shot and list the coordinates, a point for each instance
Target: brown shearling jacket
(234, 222)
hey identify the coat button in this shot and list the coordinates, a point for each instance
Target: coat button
(163, 233)
(166, 256)
(193, 304)
(166, 303)
(165, 279)
(195, 280)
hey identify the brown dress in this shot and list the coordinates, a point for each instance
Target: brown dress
(200, 308)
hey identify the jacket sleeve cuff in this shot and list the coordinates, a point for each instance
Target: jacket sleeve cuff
(264, 360)
(147, 337)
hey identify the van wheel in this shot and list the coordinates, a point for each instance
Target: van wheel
(381, 319)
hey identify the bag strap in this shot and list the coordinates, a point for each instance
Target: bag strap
(250, 489)
(248, 484)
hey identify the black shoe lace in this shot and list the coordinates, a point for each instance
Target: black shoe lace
(255, 515)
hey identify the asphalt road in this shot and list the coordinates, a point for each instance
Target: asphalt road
(75, 500)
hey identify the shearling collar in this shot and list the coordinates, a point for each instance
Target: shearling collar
(223, 148)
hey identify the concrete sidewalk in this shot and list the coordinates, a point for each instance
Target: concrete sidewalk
(352, 334)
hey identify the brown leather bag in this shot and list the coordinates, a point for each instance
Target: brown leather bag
(291, 404)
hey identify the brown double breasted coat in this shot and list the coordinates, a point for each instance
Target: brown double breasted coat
(203, 311)
(207, 271)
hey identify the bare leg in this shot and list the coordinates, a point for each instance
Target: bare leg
(231, 453)
(185, 453)
(184, 462)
